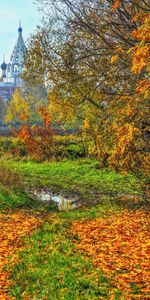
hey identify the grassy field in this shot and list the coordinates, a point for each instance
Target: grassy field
(46, 263)
(79, 178)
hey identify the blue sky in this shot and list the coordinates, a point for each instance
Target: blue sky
(11, 11)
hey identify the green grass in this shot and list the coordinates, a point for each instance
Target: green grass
(50, 267)
(79, 178)
(10, 200)
(76, 176)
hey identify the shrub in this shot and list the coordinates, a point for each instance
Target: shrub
(75, 151)
(10, 179)
(38, 139)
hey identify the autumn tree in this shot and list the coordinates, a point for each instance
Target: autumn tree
(87, 53)
(26, 100)
(133, 131)
(16, 107)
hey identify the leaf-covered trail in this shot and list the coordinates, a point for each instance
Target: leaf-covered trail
(120, 246)
(13, 227)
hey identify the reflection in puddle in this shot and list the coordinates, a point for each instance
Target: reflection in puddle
(63, 203)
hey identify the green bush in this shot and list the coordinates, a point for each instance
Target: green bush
(70, 151)
(75, 151)
(6, 144)
(69, 146)
(12, 146)
(67, 139)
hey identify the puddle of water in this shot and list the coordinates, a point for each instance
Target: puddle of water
(63, 203)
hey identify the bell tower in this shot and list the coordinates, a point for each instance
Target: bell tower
(15, 67)
(11, 71)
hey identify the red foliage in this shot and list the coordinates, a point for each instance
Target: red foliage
(38, 139)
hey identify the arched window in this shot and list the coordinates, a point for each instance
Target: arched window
(16, 68)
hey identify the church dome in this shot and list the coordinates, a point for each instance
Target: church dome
(3, 66)
(20, 29)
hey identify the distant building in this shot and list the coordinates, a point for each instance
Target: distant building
(11, 72)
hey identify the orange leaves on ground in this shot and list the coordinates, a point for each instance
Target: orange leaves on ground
(12, 227)
(120, 246)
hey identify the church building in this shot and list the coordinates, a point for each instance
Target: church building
(11, 72)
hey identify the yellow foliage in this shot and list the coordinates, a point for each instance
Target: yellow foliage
(143, 87)
(17, 107)
(140, 58)
(113, 59)
(86, 124)
(141, 52)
